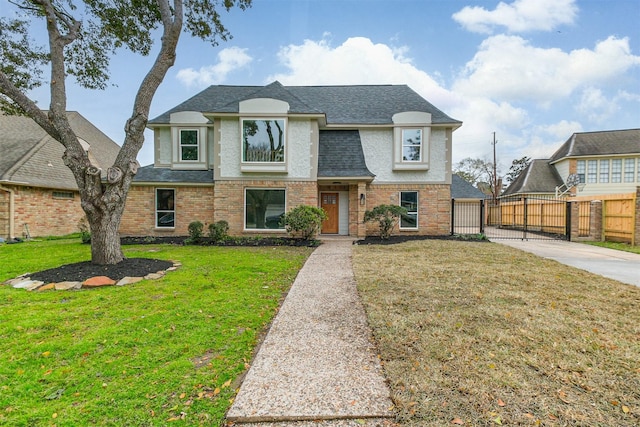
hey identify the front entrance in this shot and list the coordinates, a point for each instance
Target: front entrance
(329, 202)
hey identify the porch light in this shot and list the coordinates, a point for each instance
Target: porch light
(362, 199)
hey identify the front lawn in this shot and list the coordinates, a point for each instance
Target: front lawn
(156, 352)
(617, 246)
(480, 334)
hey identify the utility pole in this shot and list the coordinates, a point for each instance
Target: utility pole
(495, 173)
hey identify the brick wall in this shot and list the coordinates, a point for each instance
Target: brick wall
(434, 211)
(44, 214)
(191, 204)
(229, 200)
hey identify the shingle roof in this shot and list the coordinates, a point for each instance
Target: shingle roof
(461, 189)
(340, 155)
(151, 174)
(30, 156)
(355, 104)
(599, 143)
(539, 177)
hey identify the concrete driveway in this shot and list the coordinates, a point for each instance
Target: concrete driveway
(618, 265)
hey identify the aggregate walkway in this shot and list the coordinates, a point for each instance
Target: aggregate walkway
(318, 361)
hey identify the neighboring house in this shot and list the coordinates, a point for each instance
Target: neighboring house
(605, 162)
(38, 193)
(247, 154)
(467, 206)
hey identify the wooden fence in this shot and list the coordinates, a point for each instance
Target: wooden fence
(618, 216)
(544, 215)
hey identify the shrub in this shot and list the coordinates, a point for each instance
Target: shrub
(85, 232)
(387, 217)
(195, 232)
(219, 231)
(304, 221)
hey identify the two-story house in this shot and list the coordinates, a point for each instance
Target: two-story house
(604, 162)
(247, 154)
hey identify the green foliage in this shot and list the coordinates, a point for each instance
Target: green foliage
(387, 216)
(219, 231)
(195, 231)
(92, 357)
(304, 221)
(85, 232)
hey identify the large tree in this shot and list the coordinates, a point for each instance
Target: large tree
(480, 173)
(82, 36)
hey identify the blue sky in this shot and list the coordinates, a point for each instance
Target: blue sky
(533, 71)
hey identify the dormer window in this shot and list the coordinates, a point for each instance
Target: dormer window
(411, 145)
(189, 145)
(263, 140)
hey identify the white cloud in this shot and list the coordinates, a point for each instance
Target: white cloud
(510, 68)
(356, 61)
(519, 16)
(229, 59)
(596, 106)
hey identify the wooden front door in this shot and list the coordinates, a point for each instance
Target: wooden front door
(329, 202)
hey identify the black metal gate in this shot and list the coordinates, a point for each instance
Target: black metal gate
(528, 218)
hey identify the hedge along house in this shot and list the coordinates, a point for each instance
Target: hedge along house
(247, 154)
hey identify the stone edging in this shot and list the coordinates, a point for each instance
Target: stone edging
(25, 282)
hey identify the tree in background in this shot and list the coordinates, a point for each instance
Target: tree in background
(479, 173)
(81, 38)
(517, 166)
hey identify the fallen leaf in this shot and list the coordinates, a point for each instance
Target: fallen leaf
(226, 384)
(625, 409)
(501, 402)
(498, 421)
(457, 421)
(55, 415)
(216, 391)
(46, 354)
(183, 395)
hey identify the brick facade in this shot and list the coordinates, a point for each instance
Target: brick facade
(434, 211)
(44, 214)
(191, 204)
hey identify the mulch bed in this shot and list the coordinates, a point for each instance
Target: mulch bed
(81, 271)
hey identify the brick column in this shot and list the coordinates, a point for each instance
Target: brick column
(362, 227)
(595, 221)
(574, 216)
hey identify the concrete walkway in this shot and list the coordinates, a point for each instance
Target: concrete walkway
(317, 362)
(617, 265)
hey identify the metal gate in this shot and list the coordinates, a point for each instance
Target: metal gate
(528, 218)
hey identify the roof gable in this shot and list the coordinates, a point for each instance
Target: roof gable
(538, 177)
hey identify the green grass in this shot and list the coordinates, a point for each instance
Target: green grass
(167, 350)
(617, 246)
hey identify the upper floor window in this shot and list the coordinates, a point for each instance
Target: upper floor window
(581, 169)
(616, 170)
(592, 171)
(604, 171)
(189, 145)
(629, 168)
(411, 145)
(263, 140)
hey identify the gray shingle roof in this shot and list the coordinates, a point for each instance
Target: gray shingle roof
(30, 156)
(151, 174)
(340, 155)
(355, 104)
(599, 143)
(461, 189)
(539, 177)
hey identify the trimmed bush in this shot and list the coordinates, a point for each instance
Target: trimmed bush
(219, 231)
(195, 231)
(387, 216)
(304, 221)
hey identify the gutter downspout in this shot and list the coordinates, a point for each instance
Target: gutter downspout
(11, 211)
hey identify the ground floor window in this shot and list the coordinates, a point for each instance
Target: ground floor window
(409, 201)
(165, 210)
(264, 208)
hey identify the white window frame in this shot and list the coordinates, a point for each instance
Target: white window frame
(404, 144)
(604, 172)
(581, 170)
(244, 209)
(181, 145)
(592, 171)
(166, 211)
(616, 171)
(629, 170)
(284, 140)
(399, 163)
(410, 213)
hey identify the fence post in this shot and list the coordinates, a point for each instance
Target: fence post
(636, 229)
(453, 216)
(573, 221)
(482, 216)
(524, 218)
(596, 220)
